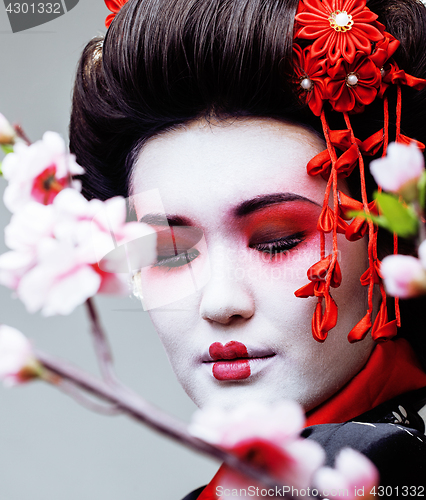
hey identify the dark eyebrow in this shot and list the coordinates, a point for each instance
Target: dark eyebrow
(165, 220)
(262, 201)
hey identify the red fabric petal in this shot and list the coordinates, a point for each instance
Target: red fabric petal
(383, 329)
(109, 19)
(407, 140)
(372, 144)
(341, 139)
(347, 161)
(316, 100)
(341, 225)
(320, 270)
(360, 330)
(346, 203)
(403, 78)
(316, 324)
(356, 229)
(386, 332)
(306, 291)
(336, 278)
(384, 50)
(330, 315)
(359, 226)
(326, 220)
(320, 165)
(366, 276)
(114, 6)
(323, 323)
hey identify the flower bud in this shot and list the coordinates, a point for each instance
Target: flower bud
(403, 276)
(7, 133)
(400, 170)
(17, 361)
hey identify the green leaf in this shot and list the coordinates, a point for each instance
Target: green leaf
(401, 219)
(1, 171)
(7, 148)
(377, 219)
(422, 190)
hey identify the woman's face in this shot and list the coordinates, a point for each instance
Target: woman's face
(224, 307)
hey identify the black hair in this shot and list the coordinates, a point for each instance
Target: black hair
(163, 63)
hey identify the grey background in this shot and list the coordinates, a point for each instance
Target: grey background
(50, 447)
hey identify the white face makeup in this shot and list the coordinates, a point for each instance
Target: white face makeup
(245, 186)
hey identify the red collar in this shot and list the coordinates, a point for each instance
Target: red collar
(392, 369)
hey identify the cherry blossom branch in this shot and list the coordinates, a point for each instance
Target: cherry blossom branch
(156, 419)
(20, 133)
(102, 347)
(69, 388)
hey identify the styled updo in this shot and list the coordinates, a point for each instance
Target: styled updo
(163, 63)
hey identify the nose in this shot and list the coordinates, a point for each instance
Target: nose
(227, 296)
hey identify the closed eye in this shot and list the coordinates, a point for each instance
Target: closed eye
(279, 245)
(181, 259)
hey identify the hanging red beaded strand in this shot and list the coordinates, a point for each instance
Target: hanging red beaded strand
(344, 58)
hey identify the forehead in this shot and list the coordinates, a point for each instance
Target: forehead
(218, 165)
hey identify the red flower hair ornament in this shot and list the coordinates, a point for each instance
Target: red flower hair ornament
(338, 27)
(114, 6)
(342, 62)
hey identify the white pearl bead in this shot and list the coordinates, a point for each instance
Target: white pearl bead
(383, 72)
(306, 84)
(352, 80)
(342, 19)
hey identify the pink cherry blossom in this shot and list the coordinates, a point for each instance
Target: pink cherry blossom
(271, 432)
(397, 171)
(17, 362)
(353, 473)
(7, 134)
(56, 250)
(38, 172)
(403, 275)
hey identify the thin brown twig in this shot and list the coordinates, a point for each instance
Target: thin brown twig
(102, 347)
(71, 390)
(20, 133)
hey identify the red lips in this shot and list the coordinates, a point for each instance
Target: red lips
(224, 369)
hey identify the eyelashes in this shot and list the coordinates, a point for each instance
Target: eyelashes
(177, 260)
(272, 247)
(279, 245)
